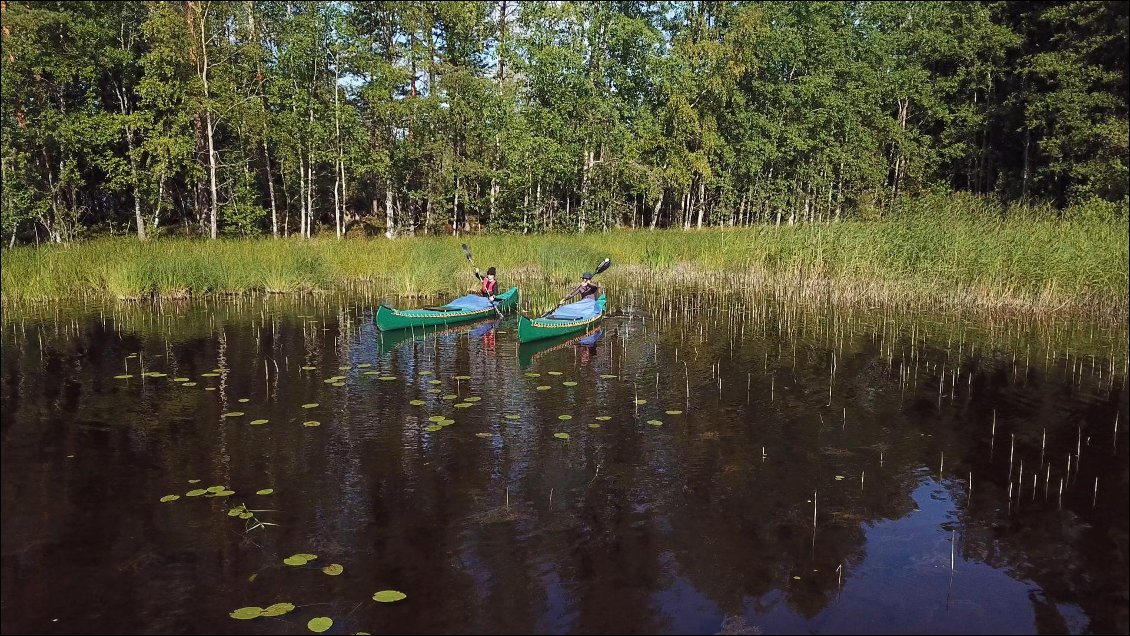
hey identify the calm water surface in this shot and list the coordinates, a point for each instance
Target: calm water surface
(729, 467)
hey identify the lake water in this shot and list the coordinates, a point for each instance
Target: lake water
(725, 466)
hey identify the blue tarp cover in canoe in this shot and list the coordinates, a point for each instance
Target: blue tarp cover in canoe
(581, 310)
(470, 301)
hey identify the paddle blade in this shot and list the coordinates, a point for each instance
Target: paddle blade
(605, 264)
(466, 251)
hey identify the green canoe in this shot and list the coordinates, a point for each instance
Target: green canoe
(389, 319)
(538, 328)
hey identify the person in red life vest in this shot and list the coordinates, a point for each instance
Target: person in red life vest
(489, 286)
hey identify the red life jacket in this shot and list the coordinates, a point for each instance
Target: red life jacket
(489, 286)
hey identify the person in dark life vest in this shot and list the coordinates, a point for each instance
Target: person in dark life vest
(586, 290)
(488, 286)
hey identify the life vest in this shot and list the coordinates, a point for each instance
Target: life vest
(489, 286)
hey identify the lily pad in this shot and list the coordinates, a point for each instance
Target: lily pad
(278, 609)
(446, 422)
(364, 365)
(674, 412)
(265, 491)
(463, 405)
(181, 379)
(188, 384)
(233, 414)
(839, 477)
(387, 378)
(434, 391)
(345, 368)
(238, 510)
(532, 374)
(389, 596)
(244, 400)
(195, 492)
(462, 377)
(307, 556)
(512, 416)
(310, 405)
(212, 374)
(338, 384)
(564, 417)
(594, 425)
(258, 422)
(561, 435)
(569, 383)
(417, 402)
(308, 368)
(312, 423)
(168, 498)
(655, 422)
(320, 624)
(603, 418)
(371, 373)
(474, 398)
(246, 613)
(425, 372)
(435, 381)
(483, 435)
(608, 376)
(295, 560)
(640, 401)
(449, 396)
(215, 489)
(209, 388)
(544, 387)
(436, 418)
(246, 515)
(431, 428)
(554, 373)
(223, 493)
(333, 569)
(194, 481)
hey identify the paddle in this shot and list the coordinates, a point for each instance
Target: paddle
(467, 251)
(605, 264)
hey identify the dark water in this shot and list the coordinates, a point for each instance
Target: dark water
(827, 473)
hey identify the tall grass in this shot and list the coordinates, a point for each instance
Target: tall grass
(911, 260)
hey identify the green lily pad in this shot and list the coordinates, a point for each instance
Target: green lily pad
(603, 418)
(463, 405)
(295, 560)
(608, 376)
(655, 422)
(258, 422)
(564, 417)
(640, 401)
(462, 377)
(417, 402)
(674, 412)
(223, 493)
(333, 569)
(188, 384)
(308, 368)
(233, 414)
(544, 387)
(194, 481)
(483, 435)
(209, 388)
(425, 372)
(569, 383)
(512, 416)
(387, 378)
(246, 515)
(278, 609)
(210, 375)
(436, 418)
(371, 373)
(473, 398)
(320, 624)
(181, 379)
(330, 380)
(217, 370)
(554, 372)
(389, 596)
(431, 428)
(307, 556)
(594, 425)
(246, 613)
(446, 422)
(265, 491)
(449, 396)
(345, 368)
(168, 498)
(310, 405)
(196, 492)
(561, 435)
(244, 400)
(238, 510)
(215, 489)
(154, 374)
(434, 391)
(531, 374)
(338, 384)
(364, 365)
(435, 381)
(311, 423)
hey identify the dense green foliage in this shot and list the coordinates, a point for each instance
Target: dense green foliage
(249, 117)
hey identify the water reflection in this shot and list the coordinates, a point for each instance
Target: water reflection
(762, 468)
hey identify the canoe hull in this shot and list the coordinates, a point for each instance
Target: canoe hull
(530, 330)
(389, 319)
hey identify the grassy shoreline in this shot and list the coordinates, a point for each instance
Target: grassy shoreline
(1037, 266)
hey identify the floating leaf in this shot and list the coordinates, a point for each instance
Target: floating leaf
(233, 414)
(655, 422)
(338, 384)
(216, 488)
(181, 379)
(238, 510)
(188, 384)
(603, 418)
(278, 609)
(436, 418)
(608, 376)
(389, 596)
(320, 624)
(512, 416)
(674, 412)
(312, 423)
(531, 374)
(295, 560)
(196, 492)
(483, 435)
(308, 368)
(449, 396)
(371, 373)
(333, 569)
(168, 498)
(345, 368)
(594, 425)
(364, 365)
(210, 375)
(154, 374)
(194, 481)
(463, 405)
(209, 388)
(569, 383)
(640, 401)
(554, 373)
(431, 428)
(247, 613)
(544, 387)
(265, 491)
(417, 402)
(472, 399)
(217, 370)
(446, 422)
(308, 557)
(435, 381)
(258, 422)
(561, 435)
(330, 380)
(224, 493)
(433, 391)
(387, 378)
(246, 515)
(310, 405)
(462, 377)
(244, 400)
(839, 477)
(425, 372)
(564, 417)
